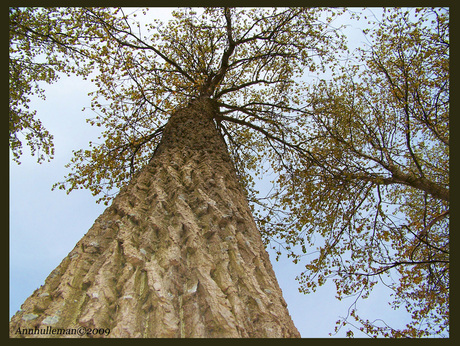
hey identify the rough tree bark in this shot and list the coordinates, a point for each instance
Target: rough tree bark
(177, 254)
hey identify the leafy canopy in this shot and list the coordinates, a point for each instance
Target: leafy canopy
(368, 202)
(247, 60)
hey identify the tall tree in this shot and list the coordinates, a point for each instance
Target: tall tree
(186, 111)
(374, 176)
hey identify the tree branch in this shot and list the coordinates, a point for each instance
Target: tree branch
(244, 85)
(108, 28)
(225, 57)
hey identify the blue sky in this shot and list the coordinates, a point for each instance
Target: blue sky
(46, 225)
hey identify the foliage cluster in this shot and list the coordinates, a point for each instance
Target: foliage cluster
(43, 42)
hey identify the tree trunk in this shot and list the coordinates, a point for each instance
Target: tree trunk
(177, 254)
